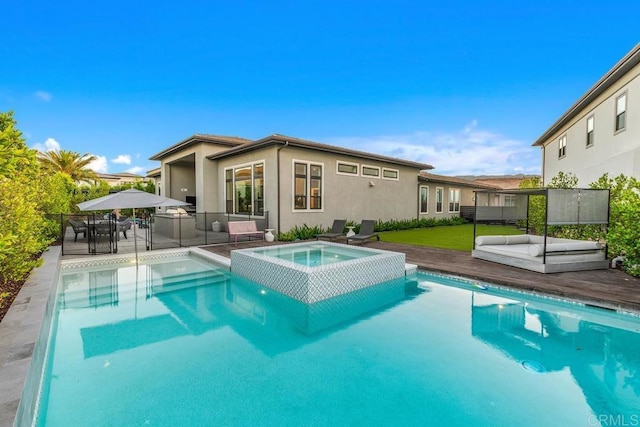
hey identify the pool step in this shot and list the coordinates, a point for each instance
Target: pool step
(98, 295)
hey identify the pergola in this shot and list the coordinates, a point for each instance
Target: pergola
(573, 206)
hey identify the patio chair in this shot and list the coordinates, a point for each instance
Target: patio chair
(337, 230)
(78, 227)
(366, 232)
(124, 224)
(104, 229)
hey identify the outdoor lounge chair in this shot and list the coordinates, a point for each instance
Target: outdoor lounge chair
(366, 232)
(78, 227)
(337, 230)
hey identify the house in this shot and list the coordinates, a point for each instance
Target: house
(600, 133)
(299, 181)
(115, 179)
(444, 196)
(504, 182)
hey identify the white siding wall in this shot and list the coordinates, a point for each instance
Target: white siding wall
(613, 153)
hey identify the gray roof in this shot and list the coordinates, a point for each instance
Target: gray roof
(430, 177)
(277, 139)
(198, 138)
(630, 60)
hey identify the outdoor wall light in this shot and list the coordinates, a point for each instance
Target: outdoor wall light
(371, 184)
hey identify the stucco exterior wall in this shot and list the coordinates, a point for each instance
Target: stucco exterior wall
(348, 197)
(466, 199)
(345, 196)
(612, 152)
(190, 169)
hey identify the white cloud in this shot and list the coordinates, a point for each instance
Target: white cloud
(124, 159)
(138, 170)
(100, 164)
(43, 96)
(470, 151)
(49, 145)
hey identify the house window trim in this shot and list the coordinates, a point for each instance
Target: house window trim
(459, 196)
(309, 163)
(593, 118)
(356, 173)
(251, 165)
(378, 168)
(562, 147)
(616, 115)
(441, 202)
(426, 187)
(397, 178)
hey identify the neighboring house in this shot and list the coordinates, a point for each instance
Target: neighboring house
(600, 133)
(504, 182)
(114, 179)
(445, 196)
(295, 180)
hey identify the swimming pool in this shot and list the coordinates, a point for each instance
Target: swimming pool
(179, 342)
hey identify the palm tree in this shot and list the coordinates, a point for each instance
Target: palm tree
(71, 163)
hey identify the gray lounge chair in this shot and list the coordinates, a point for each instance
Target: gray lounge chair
(366, 232)
(337, 230)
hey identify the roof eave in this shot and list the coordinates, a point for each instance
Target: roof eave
(295, 142)
(630, 60)
(194, 139)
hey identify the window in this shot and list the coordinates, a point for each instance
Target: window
(371, 171)
(590, 123)
(244, 189)
(344, 168)
(258, 189)
(510, 200)
(307, 186)
(424, 199)
(454, 200)
(621, 112)
(562, 146)
(242, 185)
(390, 174)
(439, 199)
(228, 176)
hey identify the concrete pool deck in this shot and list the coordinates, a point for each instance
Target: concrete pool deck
(19, 330)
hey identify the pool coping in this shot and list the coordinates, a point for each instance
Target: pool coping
(20, 331)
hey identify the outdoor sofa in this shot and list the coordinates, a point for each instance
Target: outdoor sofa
(529, 252)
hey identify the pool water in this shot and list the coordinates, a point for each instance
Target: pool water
(178, 342)
(314, 254)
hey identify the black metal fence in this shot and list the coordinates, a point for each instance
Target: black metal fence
(102, 233)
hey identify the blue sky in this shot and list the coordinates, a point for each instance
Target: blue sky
(465, 86)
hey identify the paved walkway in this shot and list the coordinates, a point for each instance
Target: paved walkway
(611, 288)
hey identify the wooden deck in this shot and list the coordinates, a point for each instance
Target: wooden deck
(611, 289)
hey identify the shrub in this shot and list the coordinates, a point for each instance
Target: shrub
(305, 232)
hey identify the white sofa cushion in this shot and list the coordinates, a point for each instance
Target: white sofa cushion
(521, 239)
(538, 250)
(491, 240)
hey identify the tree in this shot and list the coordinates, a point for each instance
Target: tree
(71, 163)
(623, 236)
(21, 221)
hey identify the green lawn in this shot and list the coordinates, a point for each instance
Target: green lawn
(458, 237)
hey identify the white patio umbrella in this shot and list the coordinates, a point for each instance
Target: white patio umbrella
(129, 199)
